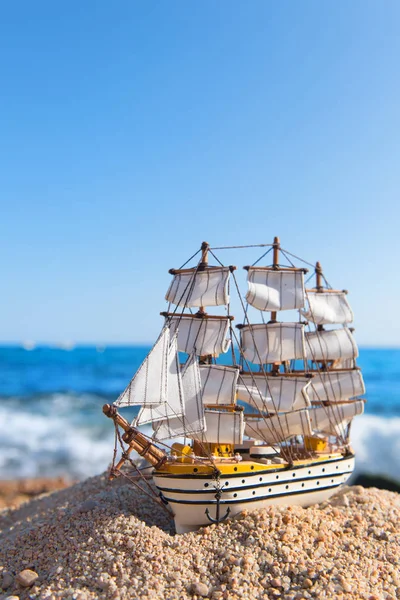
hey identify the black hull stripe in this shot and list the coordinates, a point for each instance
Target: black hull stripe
(247, 473)
(256, 485)
(245, 500)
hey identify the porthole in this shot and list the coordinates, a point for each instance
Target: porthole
(260, 479)
(226, 482)
(206, 485)
(254, 493)
(294, 475)
(235, 469)
(287, 487)
(331, 480)
(323, 470)
(337, 466)
(277, 476)
(195, 470)
(243, 481)
(234, 495)
(252, 467)
(302, 485)
(270, 489)
(309, 472)
(317, 482)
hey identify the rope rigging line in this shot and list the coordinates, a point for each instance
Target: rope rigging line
(258, 354)
(235, 247)
(272, 431)
(153, 495)
(298, 258)
(189, 259)
(336, 421)
(261, 257)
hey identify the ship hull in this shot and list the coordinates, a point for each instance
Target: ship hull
(198, 500)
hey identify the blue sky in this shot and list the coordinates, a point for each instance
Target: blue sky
(131, 131)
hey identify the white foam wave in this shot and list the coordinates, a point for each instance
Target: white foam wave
(376, 441)
(62, 441)
(37, 446)
(59, 443)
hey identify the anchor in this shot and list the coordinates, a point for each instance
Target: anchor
(218, 519)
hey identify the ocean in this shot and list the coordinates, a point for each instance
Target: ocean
(52, 424)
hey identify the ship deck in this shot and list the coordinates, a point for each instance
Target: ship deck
(234, 468)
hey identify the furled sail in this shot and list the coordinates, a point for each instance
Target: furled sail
(328, 308)
(277, 429)
(275, 290)
(331, 345)
(193, 421)
(199, 288)
(218, 384)
(334, 419)
(274, 393)
(149, 384)
(336, 386)
(174, 404)
(202, 335)
(272, 342)
(222, 427)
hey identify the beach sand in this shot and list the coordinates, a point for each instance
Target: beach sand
(16, 491)
(106, 540)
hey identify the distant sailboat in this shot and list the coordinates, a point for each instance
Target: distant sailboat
(270, 428)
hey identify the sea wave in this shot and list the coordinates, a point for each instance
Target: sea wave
(67, 435)
(376, 441)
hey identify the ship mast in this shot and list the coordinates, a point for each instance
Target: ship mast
(202, 267)
(276, 246)
(318, 285)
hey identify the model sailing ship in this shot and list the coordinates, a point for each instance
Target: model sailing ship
(273, 426)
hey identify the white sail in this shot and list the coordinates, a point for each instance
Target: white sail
(345, 363)
(334, 419)
(200, 288)
(274, 393)
(149, 384)
(193, 421)
(275, 290)
(204, 336)
(223, 427)
(218, 384)
(328, 308)
(336, 386)
(273, 430)
(272, 342)
(331, 345)
(174, 404)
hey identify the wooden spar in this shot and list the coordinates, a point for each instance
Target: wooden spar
(275, 265)
(285, 269)
(331, 403)
(318, 285)
(203, 266)
(318, 276)
(198, 315)
(191, 270)
(204, 256)
(136, 440)
(327, 290)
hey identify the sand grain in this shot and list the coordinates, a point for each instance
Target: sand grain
(106, 540)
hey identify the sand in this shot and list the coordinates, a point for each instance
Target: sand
(16, 491)
(106, 540)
